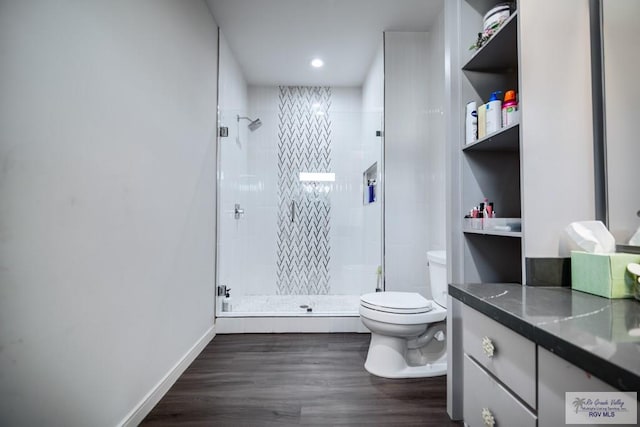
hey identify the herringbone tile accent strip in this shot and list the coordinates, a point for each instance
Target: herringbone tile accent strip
(304, 145)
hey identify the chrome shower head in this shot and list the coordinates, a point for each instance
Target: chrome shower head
(253, 124)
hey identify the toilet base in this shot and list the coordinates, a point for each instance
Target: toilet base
(387, 358)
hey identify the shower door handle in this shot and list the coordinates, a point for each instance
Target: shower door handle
(293, 211)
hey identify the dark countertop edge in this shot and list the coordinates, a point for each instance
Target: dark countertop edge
(603, 369)
(600, 368)
(505, 318)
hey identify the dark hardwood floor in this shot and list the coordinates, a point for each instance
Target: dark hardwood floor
(296, 379)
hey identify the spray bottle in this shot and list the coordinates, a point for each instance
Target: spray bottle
(509, 109)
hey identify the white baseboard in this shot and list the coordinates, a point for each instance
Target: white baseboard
(145, 406)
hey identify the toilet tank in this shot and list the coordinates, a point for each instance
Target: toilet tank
(438, 275)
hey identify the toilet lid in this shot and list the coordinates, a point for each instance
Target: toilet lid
(396, 302)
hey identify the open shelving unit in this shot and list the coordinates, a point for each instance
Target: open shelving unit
(491, 166)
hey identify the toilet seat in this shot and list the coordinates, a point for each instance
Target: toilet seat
(413, 308)
(396, 302)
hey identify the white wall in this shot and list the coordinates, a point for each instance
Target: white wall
(373, 86)
(263, 207)
(350, 271)
(556, 122)
(407, 238)
(436, 143)
(107, 237)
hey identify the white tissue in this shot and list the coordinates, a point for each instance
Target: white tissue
(635, 239)
(591, 236)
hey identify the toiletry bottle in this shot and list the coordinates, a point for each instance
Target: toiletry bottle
(494, 113)
(371, 184)
(226, 301)
(471, 123)
(482, 121)
(509, 109)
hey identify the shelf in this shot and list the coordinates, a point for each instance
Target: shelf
(506, 139)
(500, 52)
(493, 232)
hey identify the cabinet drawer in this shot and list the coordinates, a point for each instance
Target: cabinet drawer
(514, 357)
(556, 377)
(482, 394)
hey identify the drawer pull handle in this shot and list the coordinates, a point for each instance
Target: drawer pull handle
(487, 417)
(488, 347)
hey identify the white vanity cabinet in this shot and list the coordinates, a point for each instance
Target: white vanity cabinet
(556, 377)
(523, 356)
(509, 380)
(499, 373)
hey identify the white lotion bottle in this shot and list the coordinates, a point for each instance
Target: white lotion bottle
(494, 113)
(471, 123)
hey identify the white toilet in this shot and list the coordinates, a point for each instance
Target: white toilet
(407, 330)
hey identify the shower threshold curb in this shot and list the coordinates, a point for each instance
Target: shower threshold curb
(289, 323)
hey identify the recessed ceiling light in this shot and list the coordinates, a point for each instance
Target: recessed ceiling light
(317, 63)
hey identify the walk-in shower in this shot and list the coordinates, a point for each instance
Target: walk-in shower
(299, 232)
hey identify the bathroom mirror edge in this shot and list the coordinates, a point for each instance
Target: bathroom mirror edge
(597, 89)
(611, 130)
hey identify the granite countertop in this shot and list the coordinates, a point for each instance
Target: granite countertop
(599, 335)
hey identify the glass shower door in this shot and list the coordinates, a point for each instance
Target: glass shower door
(234, 211)
(310, 235)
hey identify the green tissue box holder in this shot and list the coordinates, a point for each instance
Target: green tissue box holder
(603, 274)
